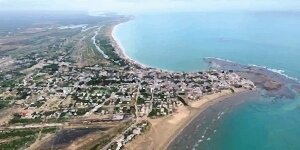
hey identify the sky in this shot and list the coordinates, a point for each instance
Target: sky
(149, 5)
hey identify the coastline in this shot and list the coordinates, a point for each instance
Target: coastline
(119, 48)
(164, 130)
(121, 51)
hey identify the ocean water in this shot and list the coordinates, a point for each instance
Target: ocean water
(180, 41)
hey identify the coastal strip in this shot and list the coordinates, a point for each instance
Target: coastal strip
(73, 82)
(165, 129)
(119, 49)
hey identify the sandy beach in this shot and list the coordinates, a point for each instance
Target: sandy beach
(119, 48)
(164, 130)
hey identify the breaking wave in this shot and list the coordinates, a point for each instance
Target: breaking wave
(226, 60)
(278, 71)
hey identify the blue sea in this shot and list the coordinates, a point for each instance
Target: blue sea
(180, 41)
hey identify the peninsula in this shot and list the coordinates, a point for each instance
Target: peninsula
(81, 87)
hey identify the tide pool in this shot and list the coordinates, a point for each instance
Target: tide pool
(180, 41)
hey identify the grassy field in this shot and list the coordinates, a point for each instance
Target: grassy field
(21, 138)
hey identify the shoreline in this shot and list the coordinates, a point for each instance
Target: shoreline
(119, 47)
(171, 126)
(165, 130)
(222, 100)
(202, 106)
(121, 51)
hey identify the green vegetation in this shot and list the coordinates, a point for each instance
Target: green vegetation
(101, 80)
(91, 54)
(16, 133)
(18, 143)
(82, 111)
(106, 46)
(37, 104)
(8, 83)
(51, 69)
(18, 120)
(153, 113)
(3, 104)
(34, 64)
(104, 89)
(106, 137)
(39, 77)
(10, 79)
(147, 128)
(232, 90)
(22, 92)
(49, 130)
(20, 138)
(140, 101)
(157, 113)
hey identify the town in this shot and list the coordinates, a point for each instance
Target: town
(54, 90)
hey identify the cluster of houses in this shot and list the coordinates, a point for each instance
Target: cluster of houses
(129, 135)
(154, 92)
(54, 87)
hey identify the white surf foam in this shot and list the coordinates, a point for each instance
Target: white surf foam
(219, 59)
(278, 71)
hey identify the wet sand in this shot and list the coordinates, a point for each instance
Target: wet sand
(198, 133)
(164, 130)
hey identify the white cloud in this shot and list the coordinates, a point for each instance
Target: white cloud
(150, 5)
